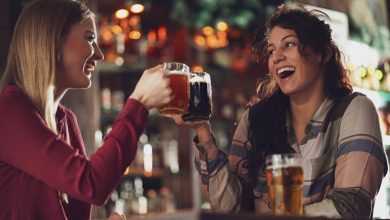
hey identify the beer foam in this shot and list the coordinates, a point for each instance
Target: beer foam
(277, 161)
(280, 166)
(202, 79)
(197, 79)
(175, 66)
(176, 72)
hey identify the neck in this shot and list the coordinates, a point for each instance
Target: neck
(305, 106)
(58, 94)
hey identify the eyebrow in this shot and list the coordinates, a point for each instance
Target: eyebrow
(284, 38)
(91, 32)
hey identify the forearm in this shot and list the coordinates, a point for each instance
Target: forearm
(352, 202)
(205, 142)
(225, 180)
(325, 208)
(226, 191)
(347, 203)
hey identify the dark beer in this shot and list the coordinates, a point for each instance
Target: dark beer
(199, 108)
(180, 94)
(285, 189)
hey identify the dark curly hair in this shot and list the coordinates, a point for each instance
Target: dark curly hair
(267, 129)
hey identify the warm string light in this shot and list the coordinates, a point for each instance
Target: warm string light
(137, 8)
(121, 13)
(210, 38)
(157, 37)
(116, 31)
(125, 26)
(135, 35)
(197, 69)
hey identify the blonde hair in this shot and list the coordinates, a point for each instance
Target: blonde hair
(34, 50)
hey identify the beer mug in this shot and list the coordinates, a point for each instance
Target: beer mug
(284, 175)
(179, 83)
(199, 108)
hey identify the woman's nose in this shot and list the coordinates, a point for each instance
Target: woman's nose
(278, 56)
(98, 55)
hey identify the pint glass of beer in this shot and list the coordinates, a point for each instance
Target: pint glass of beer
(199, 108)
(179, 83)
(284, 175)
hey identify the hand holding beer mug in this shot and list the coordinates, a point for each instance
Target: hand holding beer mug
(179, 83)
(285, 184)
(199, 108)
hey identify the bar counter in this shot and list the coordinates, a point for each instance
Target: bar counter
(196, 215)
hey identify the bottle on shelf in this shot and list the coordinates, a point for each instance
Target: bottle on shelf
(154, 201)
(168, 204)
(139, 203)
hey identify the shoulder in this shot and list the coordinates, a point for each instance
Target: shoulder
(360, 117)
(12, 94)
(14, 101)
(17, 111)
(244, 116)
(361, 105)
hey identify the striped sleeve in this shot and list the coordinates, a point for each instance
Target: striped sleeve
(361, 162)
(224, 178)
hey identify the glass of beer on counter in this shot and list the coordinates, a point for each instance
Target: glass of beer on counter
(199, 108)
(284, 175)
(179, 83)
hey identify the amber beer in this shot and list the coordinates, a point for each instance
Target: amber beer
(199, 108)
(285, 184)
(179, 83)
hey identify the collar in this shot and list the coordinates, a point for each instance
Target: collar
(60, 118)
(315, 124)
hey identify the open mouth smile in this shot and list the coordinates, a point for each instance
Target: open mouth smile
(285, 72)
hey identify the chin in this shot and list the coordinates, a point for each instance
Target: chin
(287, 91)
(83, 85)
(87, 85)
(87, 82)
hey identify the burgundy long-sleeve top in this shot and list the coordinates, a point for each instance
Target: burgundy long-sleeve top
(36, 163)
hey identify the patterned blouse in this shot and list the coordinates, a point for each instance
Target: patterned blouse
(343, 162)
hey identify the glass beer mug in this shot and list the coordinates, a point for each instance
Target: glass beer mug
(199, 108)
(179, 83)
(284, 175)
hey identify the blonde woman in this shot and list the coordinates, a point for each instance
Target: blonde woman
(45, 173)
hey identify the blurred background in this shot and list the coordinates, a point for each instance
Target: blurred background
(214, 36)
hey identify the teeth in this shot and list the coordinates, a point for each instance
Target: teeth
(288, 68)
(90, 68)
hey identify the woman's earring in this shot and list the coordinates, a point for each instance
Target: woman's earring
(58, 56)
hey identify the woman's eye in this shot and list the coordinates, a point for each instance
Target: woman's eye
(91, 38)
(270, 52)
(290, 44)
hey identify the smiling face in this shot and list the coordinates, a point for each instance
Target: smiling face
(296, 74)
(79, 56)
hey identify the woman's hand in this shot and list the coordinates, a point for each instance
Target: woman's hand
(153, 90)
(179, 121)
(116, 216)
(202, 128)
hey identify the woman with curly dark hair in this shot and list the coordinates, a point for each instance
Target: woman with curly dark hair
(306, 106)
